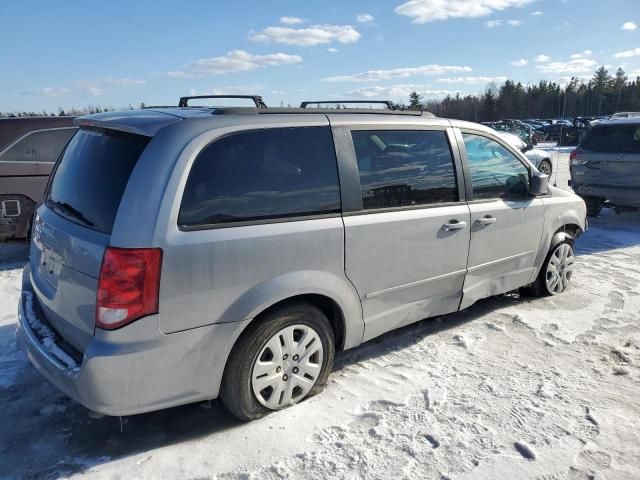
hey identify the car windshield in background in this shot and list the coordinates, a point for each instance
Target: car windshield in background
(614, 138)
(92, 175)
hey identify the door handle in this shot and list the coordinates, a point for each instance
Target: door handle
(454, 225)
(484, 221)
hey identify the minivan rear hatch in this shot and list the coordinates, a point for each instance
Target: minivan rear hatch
(73, 227)
(612, 157)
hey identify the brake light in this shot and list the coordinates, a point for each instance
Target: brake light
(573, 155)
(128, 286)
(574, 159)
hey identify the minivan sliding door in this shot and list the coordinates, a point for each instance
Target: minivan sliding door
(406, 222)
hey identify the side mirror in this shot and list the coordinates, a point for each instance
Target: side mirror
(527, 148)
(539, 184)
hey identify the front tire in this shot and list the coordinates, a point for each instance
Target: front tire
(556, 271)
(283, 359)
(545, 167)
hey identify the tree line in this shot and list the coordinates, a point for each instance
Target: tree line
(73, 112)
(604, 94)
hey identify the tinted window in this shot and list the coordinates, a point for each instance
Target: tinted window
(92, 175)
(262, 174)
(42, 146)
(495, 171)
(400, 168)
(613, 138)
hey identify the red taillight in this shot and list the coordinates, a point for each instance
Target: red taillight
(573, 155)
(575, 159)
(128, 286)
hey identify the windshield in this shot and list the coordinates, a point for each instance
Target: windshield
(92, 175)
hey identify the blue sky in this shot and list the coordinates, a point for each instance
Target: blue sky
(115, 53)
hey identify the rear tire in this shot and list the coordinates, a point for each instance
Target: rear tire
(556, 271)
(594, 205)
(277, 362)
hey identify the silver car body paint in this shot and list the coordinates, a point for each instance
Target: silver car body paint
(380, 269)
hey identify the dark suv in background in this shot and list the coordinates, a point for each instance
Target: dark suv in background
(25, 166)
(605, 168)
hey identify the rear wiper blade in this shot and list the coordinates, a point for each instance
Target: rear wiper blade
(71, 211)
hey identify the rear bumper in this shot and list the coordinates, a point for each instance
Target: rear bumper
(618, 196)
(133, 370)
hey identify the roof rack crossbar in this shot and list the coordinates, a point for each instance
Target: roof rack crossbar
(390, 105)
(184, 101)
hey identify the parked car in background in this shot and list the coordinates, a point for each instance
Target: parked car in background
(619, 115)
(25, 166)
(541, 159)
(605, 168)
(12, 128)
(257, 242)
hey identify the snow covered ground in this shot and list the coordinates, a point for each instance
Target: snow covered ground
(514, 387)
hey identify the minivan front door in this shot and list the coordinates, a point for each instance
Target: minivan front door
(506, 223)
(407, 240)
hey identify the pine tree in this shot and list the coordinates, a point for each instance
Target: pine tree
(415, 101)
(602, 82)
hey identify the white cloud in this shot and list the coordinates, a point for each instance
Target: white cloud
(542, 58)
(291, 20)
(309, 36)
(365, 18)
(379, 75)
(396, 92)
(634, 74)
(572, 67)
(92, 91)
(48, 92)
(584, 53)
(493, 23)
(629, 26)
(424, 11)
(514, 23)
(519, 63)
(473, 80)
(628, 53)
(537, 13)
(234, 61)
(232, 90)
(332, 50)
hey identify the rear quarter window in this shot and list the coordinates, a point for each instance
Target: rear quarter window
(92, 174)
(262, 174)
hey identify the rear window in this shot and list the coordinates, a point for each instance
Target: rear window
(40, 146)
(614, 139)
(262, 174)
(91, 177)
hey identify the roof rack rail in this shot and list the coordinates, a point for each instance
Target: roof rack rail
(184, 101)
(390, 105)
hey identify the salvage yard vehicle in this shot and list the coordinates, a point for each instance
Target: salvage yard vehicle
(25, 166)
(184, 254)
(605, 168)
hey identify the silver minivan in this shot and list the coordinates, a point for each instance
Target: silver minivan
(184, 254)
